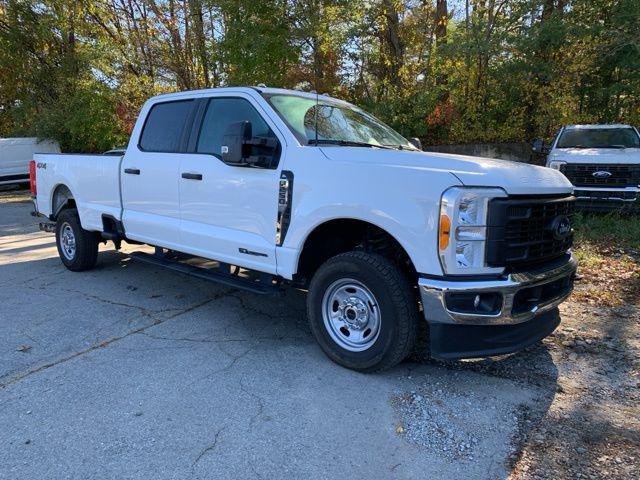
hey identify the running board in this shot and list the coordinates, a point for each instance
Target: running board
(255, 286)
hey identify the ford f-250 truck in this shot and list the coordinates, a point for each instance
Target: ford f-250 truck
(281, 187)
(602, 162)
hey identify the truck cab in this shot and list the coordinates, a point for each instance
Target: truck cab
(601, 161)
(277, 188)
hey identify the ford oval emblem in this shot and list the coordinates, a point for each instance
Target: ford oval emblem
(601, 174)
(560, 227)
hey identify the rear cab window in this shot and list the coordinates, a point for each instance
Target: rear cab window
(165, 125)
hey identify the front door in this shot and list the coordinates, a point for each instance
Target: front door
(150, 174)
(229, 212)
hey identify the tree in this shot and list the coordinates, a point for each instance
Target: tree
(443, 70)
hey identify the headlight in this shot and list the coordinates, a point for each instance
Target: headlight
(463, 230)
(556, 164)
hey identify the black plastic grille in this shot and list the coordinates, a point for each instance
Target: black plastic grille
(528, 298)
(622, 175)
(521, 232)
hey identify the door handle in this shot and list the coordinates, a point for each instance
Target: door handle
(192, 176)
(132, 171)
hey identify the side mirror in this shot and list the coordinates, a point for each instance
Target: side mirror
(240, 148)
(233, 141)
(415, 141)
(538, 146)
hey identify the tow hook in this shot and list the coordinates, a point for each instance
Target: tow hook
(47, 227)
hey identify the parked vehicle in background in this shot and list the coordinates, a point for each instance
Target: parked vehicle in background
(602, 162)
(15, 155)
(281, 187)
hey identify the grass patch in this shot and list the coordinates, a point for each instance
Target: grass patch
(608, 250)
(614, 230)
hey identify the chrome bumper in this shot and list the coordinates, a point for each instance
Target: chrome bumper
(434, 296)
(627, 194)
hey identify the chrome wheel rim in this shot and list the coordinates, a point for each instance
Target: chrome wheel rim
(351, 315)
(67, 241)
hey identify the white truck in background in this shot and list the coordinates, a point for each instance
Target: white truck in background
(285, 188)
(601, 161)
(15, 155)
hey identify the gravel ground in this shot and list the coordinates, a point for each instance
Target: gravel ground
(129, 371)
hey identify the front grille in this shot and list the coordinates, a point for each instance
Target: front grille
(525, 231)
(621, 175)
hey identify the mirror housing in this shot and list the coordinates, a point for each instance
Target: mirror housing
(241, 149)
(233, 141)
(538, 147)
(415, 141)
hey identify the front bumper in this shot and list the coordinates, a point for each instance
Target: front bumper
(525, 310)
(452, 342)
(606, 199)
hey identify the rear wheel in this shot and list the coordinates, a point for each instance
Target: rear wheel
(362, 311)
(78, 248)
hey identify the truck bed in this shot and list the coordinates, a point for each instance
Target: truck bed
(94, 181)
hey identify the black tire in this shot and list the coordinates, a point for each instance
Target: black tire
(398, 310)
(85, 254)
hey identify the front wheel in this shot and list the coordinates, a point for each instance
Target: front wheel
(77, 247)
(362, 311)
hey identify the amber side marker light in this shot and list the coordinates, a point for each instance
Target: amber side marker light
(445, 231)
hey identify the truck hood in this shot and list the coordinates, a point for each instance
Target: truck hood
(596, 155)
(515, 178)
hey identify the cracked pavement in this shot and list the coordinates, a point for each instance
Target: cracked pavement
(130, 371)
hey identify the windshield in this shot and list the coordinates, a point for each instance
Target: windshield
(336, 123)
(599, 138)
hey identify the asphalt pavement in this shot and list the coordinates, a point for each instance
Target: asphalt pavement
(132, 371)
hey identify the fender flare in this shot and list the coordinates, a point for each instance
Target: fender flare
(60, 198)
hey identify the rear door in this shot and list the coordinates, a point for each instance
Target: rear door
(229, 212)
(150, 174)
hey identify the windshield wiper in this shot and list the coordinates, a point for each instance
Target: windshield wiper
(398, 147)
(346, 143)
(621, 147)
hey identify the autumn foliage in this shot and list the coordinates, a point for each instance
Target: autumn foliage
(447, 71)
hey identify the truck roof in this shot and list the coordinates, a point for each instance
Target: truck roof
(595, 127)
(245, 89)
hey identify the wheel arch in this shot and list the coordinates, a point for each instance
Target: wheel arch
(61, 198)
(340, 235)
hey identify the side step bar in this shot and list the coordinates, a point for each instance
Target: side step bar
(264, 286)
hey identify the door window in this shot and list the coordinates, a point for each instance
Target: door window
(164, 125)
(222, 112)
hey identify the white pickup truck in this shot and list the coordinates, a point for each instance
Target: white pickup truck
(281, 187)
(602, 162)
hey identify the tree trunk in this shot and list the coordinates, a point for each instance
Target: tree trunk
(195, 7)
(395, 45)
(441, 20)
